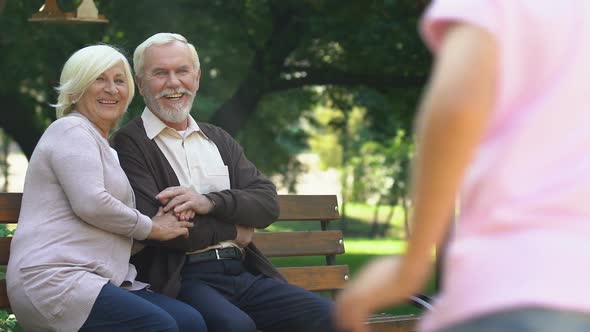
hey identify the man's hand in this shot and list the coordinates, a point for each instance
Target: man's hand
(167, 227)
(244, 235)
(184, 202)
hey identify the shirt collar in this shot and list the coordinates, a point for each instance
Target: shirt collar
(154, 126)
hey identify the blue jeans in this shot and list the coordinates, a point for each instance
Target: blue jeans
(232, 299)
(526, 320)
(118, 310)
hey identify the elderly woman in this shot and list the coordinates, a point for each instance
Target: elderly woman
(69, 261)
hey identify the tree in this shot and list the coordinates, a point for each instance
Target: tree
(254, 53)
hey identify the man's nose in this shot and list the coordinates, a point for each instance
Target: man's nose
(173, 80)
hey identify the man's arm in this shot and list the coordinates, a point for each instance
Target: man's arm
(252, 200)
(206, 231)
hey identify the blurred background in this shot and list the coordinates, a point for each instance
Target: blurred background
(321, 93)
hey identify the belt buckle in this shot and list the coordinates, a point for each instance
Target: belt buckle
(217, 254)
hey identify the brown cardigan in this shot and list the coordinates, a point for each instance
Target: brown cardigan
(252, 201)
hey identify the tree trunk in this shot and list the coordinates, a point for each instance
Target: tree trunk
(406, 209)
(375, 225)
(234, 113)
(22, 125)
(345, 143)
(4, 162)
(388, 221)
(268, 61)
(344, 185)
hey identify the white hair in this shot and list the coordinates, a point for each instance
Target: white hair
(160, 39)
(82, 68)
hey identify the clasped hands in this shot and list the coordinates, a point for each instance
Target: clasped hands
(185, 204)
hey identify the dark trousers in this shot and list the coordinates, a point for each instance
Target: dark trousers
(118, 310)
(234, 300)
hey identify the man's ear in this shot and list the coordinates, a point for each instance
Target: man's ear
(198, 79)
(139, 83)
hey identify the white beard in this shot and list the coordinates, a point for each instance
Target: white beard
(176, 114)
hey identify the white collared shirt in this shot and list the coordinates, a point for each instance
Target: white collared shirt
(193, 156)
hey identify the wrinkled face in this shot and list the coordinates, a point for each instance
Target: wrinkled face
(105, 100)
(170, 82)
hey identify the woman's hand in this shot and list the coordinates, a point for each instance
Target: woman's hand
(185, 202)
(166, 226)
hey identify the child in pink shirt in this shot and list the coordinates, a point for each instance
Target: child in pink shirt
(503, 122)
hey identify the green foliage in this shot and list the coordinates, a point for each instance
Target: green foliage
(274, 147)
(5, 231)
(261, 61)
(371, 146)
(8, 322)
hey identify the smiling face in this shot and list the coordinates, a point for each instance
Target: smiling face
(169, 82)
(105, 100)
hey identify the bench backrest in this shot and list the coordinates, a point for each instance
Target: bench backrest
(301, 208)
(321, 209)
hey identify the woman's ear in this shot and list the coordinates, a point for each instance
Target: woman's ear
(75, 98)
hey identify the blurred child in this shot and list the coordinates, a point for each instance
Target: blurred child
(503, 122)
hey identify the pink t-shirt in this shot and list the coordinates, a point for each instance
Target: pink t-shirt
(523, 238)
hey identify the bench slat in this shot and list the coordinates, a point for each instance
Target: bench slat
(317, 278)
(4, 250)
(9, 207)
(308, 243)
(389, 323)
(277, 244)
(308, 207)
(4, 304)
(293, 207)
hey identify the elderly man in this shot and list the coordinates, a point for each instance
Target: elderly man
(200, 172)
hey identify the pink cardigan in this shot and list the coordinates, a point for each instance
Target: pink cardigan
(76, 228)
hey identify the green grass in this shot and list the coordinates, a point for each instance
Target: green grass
(374, 246)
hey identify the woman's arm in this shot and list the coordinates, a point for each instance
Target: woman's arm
(76, 161)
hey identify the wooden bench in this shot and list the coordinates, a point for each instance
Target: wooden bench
(319, 209)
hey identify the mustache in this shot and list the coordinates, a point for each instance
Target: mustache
(173, 91)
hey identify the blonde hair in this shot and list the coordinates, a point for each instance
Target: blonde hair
(82, 68)
(160, 39)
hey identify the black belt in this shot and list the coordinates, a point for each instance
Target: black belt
(214, 254)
